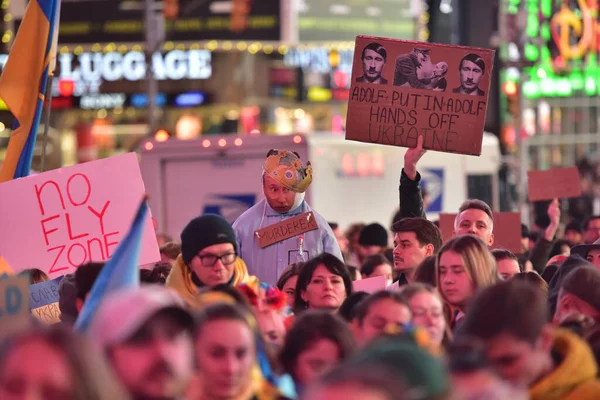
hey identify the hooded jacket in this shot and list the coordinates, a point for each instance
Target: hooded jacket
(574, 378)
(571, 263)
(182, 281)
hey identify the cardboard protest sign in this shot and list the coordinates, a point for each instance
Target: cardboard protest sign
(555, 183)
(14, 299)
(58, 220)
(43, 301)
(286, 229)
(402, 90)
(507, 230)
(370, 285)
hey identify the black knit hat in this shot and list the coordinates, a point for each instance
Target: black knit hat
(205, 231)
(373, 235)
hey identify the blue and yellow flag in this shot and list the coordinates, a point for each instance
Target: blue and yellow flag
(23, 82)
(120, 272)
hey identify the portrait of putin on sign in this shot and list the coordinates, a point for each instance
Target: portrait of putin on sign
(373, 59)
(471, 70)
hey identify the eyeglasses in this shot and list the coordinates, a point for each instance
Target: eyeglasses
(209, 260)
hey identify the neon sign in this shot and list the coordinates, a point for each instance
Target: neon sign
(562, 40)
(566, 23)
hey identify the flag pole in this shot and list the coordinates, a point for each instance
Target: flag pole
(48, 94)
(48, 99)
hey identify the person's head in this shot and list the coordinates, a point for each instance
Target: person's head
(35, 275)
(422, 54)
(377, 265)
(508, 263)
(353, 234)
(591, 252)
(440, 69)
(85, 277)
(373, 59)
(52, 362)
(473, 377)
(472, 68)
(409, 360)
(373, 239)
(341, 239)
(169, 252)
(161, 271)
(475, 218)
(380, 311)
(354, 273)
(147, 335)
(560, 247)
(464, 265)
(267, 304)
(414, 240)
(208, 248)
(348, 308)
(354, 382)
(579, 294)
(591, 229)
(534, 279)
(163, 238)
(426, 272)
(225, 345)
(67, 299)
(574, 233)
(324, 283)
(287, 281)
(518, 337)
(316, 341)
(427, 308)
(285, 180)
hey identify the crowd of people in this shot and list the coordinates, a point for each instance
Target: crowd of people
(222, 316)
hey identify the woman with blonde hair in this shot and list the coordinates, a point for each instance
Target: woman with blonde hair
(427, 307)
(464, 265)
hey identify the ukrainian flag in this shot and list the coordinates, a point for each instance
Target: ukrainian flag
(121, 271)
(23, 82)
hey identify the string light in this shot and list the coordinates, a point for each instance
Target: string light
(213, 45)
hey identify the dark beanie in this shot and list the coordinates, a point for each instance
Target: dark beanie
(584, 283)
(203, 232)
(373, 235)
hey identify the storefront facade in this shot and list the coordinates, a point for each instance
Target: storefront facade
(272, 73)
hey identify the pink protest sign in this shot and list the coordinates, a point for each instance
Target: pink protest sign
(370, 285)
(58, 220)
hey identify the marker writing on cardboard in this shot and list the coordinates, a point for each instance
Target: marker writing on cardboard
(396, 122)
(82, 242)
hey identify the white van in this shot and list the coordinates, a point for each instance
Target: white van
(352, 181)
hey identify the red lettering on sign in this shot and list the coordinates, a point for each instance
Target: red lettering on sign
(89, 245)
(107, 244)
(38, 193)
(100, 214)
(70, 230)
(47, 232)
(88, 185)
(83, 259)
(54, 267)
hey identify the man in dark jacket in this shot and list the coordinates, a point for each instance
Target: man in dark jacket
(411, 205)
